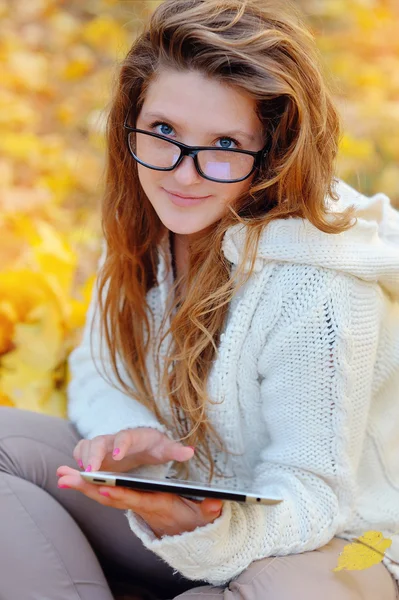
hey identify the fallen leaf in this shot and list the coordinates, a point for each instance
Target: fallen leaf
(362, 554)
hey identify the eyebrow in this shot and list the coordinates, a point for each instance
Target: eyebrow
(235, 132)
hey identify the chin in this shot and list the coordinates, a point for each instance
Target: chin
(183, 230)
(183, 225)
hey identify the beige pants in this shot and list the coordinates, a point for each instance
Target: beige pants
(56, 544)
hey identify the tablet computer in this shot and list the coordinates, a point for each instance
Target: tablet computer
(188, 489)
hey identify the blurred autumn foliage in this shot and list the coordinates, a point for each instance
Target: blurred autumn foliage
(58, 62)
(359, 44)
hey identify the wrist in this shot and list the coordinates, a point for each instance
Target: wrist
(176, 530)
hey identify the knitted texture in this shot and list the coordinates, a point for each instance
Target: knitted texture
(306, 382)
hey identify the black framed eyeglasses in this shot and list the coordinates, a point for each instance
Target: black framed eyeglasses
(223, 165)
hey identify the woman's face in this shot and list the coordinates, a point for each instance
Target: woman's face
(191, 108)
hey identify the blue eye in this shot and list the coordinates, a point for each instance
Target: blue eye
(166, 127)
(228, 140)
(163, 125)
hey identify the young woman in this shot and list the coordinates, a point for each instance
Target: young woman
(244, 329)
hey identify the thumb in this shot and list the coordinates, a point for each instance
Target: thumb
(211, 508)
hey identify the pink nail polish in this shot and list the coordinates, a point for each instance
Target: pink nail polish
(63, 486)
(81, 464)
(116, 452)
(88, 468)
(105, 494)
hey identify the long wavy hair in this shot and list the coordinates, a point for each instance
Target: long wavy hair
(265, 50)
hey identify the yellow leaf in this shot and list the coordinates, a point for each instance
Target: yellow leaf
(26, 387)
(30, 70)
(55, 404)
(28, 199)
(87, 170)
(58, 183)
(6, 173)
(8, 311)
(24, 227)
(369, 550)
(78, 68)
(106, 34)
(357, 148)
(12, 246)
(25, 290)
(27, 373)
(78, 307)
(65, 113)
(53, 257)
(4, 9)
(20, 146)
(16, 111)
(39, 342)
(5, 400)
(56, 260)
(8, 318)
(65, 29)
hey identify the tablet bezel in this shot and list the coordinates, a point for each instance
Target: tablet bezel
(188, 489)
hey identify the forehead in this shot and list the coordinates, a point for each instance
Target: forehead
(191, 98)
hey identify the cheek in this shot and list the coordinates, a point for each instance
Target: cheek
(233, 190)
(147, 177)
(150, 182)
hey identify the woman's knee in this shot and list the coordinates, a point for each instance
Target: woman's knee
(304, 576)
(31, 442)
(310, 576)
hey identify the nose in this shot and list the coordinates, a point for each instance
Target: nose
(186, 173)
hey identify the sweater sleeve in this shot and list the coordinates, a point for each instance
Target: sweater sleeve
(316, 380)
(94, 406)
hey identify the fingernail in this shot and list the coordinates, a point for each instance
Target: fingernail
(63, 486)
(116, 452)
(88, 468)
(81, 464)
(104, 494)
(216, 510)
(192, 448)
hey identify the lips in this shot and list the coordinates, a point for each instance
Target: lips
(186, 197)
(184, 201)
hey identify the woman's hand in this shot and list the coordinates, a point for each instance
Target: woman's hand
(128, 449)
(166, 514)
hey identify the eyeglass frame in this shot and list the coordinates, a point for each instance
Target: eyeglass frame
(192, 151)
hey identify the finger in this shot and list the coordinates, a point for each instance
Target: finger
(211, 508)
(64, 471)
(140, 502)
(152, 443)
(170, 450)
(77, 453)
(140, 440)
(71, 479)
(157, 507)
(85, 452)
(97, 451)
(127, 440)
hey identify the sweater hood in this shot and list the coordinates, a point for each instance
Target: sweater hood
(369, 250)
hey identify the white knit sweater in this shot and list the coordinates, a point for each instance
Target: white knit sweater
(307, 384)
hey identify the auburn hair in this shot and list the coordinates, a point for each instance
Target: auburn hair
(262, 48)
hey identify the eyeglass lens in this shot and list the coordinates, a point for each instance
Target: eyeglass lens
(217, 164)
